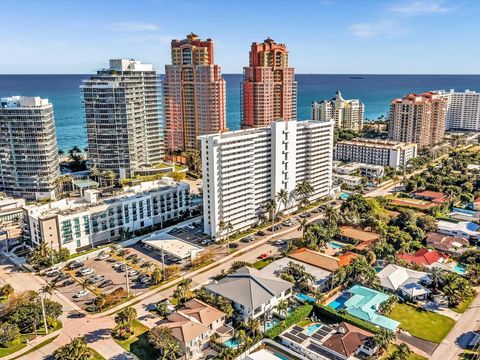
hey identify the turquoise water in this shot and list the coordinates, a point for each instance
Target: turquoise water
(335, 245)
(343, 196)
(459, 269)
(375, 91)
(281, 356)
(378, 269)
(271, 323)
(312, 328)
(338, 303)
(232, 343)
(304, 298)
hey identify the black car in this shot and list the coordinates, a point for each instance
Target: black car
(233, 245)
(75, 265)
(61, 277)
(261, 233)
(68, 282)
(105, 283)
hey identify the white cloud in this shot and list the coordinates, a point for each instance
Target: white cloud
(382, 28)
(421, 7)
(133, 26)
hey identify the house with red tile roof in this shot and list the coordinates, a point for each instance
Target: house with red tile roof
(433, 196)
(425, 257)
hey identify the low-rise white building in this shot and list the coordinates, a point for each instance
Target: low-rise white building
(368, 170)
(242, 170)
(376, 152)
(466, 229)
(80, 223)
(351, 181)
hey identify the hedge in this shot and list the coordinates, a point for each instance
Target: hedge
(299, 314)
(338, 316)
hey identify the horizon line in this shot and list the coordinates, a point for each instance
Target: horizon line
(340, 74)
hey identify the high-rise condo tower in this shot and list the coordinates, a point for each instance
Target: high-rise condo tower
(193, 95)
(123, 118)
(269, 89)
(28, 148)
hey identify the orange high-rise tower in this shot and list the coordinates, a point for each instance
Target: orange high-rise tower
(193, 95)
(269, 89)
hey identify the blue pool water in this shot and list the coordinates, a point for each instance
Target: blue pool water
(459, 269)
(378, 269)
(312, 328)
(344, 196)
(271, 323)
(335, 245)
(232, 343)
(281, 356)
(338, 303)
(304, 298)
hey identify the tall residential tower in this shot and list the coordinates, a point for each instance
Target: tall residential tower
(123, 119)
(463, 110)
(269, 89)
(29, 164)
(348, 114)
(193, 95)
(418, 118)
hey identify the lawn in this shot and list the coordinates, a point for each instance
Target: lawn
(423, 324)
(138, 344)
(260, 264)
(413, 356)
(35, 348)
(463, 305)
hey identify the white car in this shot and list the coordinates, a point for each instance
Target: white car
(118, 264)
(280, 242)
(81, 294)
(53, 271)
(103, 257)
(87, 271)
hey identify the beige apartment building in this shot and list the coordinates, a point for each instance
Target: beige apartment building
(347, 114)
(418, 118)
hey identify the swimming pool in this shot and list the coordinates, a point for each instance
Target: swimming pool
(232, 343)
(459, 269)
(312, 328)
(338, 303)
(304, 298)
(271, 324)
(335, 245)
(344, 196)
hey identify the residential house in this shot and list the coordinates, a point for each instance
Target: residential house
(425, 257)
(409, 284)
(433, 196)
(252, 292)
(193, 325)
(476, 204)
(446, 243)
(467, 229)
(363, 240)
(323, 342)
(323, 261)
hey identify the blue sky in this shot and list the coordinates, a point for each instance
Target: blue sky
(323, 36)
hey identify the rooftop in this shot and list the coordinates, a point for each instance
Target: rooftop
(393, 277)
(347, 339)
(321, 260)
(467, 227)
(172, 245)
(356, 234)
(275, 267)
(376, 143)
(444, 242)
(423, 257)
(22, 102)
(249, 287)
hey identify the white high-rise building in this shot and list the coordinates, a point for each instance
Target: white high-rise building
(123, 118)
(463, 110)
(29, 164)
(244, 169)
(348, 114)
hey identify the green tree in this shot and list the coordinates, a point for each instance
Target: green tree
(254, 326)
(77, 349)
(383, 338)
(182, 289)
(160, 337)
(157, 275)
(282, 307)
(125, 317)
(6, 291)
(9, 334)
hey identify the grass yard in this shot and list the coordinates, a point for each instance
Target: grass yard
(423, 324)
(260, 264)
(463, 305)
(138, 344)
(12, 349)
(96, 355)
(35, 348)
(413, 356)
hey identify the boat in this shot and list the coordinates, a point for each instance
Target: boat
(357, 77)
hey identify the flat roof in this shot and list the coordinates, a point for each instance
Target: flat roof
(357, 234)
(273, 268)
(172, 245)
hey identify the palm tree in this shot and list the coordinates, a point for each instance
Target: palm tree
(332, 216)
(271, 208)
(110, 176)
(159, 337)
(157, 275)
(171, 351)
(282, 307)
(49, 288)
(254, 326)
(77, 349)
(436, 277)
(303, 190)
(303, 226)
(182, 289)
(383, 338)
(68, 179)
(282, 198)
(94, 173)
(402, 352)
(125, 317)
(241, 336)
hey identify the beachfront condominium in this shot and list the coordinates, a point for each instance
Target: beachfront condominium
(463, 110)
(81, 223)
(193, 95)
(29, 164)
(348, 114)
(245, 169)
(269, 89)
(376, 152)
(418, 118)
(123, 119)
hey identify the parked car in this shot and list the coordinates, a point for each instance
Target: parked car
(280, 242)
(246, 239)
(80, 294)
(105, 283)
(145, 279)
(111, 260)
(117, 265)
(233, 245)
(68, 282)
(75, 265)
(61, 276)
(95, 279)
(103, 256)
(131, 257)
(86, 271)
(263, 256)
(53, 273)
(132, 273)
(124, 267)
(261, 233)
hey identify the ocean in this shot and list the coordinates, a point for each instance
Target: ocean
(375, 91)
